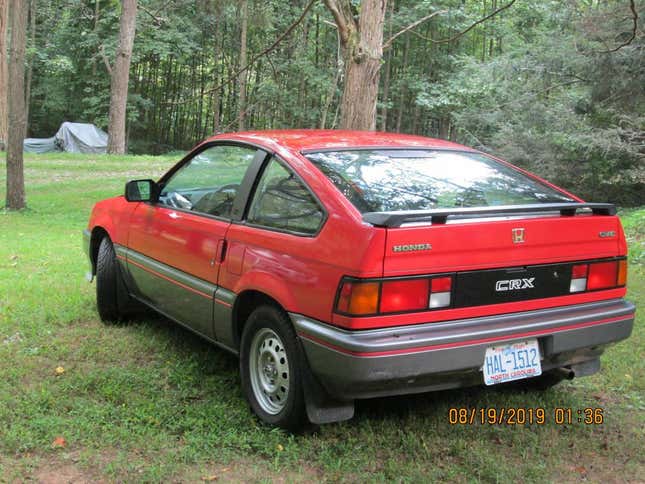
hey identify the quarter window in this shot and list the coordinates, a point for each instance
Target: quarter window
(209, 182)
(281, 201)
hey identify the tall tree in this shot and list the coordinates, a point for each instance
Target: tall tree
(362, 44)
(16, 101)
(4, 11)
(32, 45)
(120, 77)
(244, 14)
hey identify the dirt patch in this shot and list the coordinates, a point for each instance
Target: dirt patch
(70, 467)
(65, 474)
(249, 470)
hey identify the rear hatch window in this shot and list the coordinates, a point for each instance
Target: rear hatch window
(382, 180)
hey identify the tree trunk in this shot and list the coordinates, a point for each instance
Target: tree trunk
(244, 13)
(362, 44)
(120, 77)
(30, 67)
(16, 101)
(404, 85)
(4, 83)
(217, 34)
(386, 81)
(96, 27)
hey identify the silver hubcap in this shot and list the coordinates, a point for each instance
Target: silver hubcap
(269, 371)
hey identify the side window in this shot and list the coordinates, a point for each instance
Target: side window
(282, 201)
(209, 182)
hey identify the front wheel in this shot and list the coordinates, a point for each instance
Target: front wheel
(271, 368)
(112, 299)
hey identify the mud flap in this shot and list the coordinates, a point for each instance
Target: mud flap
(586, 368)
(321, 407)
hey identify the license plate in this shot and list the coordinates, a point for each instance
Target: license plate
(512, 361)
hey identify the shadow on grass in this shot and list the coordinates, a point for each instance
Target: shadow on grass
(223, 367)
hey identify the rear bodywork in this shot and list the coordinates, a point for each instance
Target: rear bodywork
(351, 356)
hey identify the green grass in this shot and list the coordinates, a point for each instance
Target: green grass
(151, 402)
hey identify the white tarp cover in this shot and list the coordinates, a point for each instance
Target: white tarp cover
(71, 137)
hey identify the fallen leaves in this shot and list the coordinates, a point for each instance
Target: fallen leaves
(210, 478)
(59, 443)
(581, 470)
(59, 370)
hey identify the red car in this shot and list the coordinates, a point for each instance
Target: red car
(343, 265)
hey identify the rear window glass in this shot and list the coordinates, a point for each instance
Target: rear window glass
(393, 180)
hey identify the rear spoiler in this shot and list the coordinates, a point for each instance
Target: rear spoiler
(440, 215)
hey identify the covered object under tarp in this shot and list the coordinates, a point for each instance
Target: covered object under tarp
(71, 137)
(40, 145)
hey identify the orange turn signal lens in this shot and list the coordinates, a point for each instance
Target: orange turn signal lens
(622, 272)
(359, 298)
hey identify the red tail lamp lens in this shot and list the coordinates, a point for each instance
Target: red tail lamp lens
(602, 275)
(406, 295)
(580, 271)
(441, 284)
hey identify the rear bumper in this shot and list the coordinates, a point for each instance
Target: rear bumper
(435, 356)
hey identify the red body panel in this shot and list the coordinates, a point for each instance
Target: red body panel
(303, 273)
(185, 241)
(113, 215)
(483, 245)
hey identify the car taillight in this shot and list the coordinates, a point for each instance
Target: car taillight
(602, 275)
(622, 272)
(598, 275)
(358, 298)
(404, 295)
(579, 278)
(440, 293)
(387, 296)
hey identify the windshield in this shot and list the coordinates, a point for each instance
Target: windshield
(392, 180)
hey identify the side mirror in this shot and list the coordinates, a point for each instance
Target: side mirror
(141, 191)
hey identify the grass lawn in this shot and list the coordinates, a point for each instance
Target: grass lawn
(149, 401)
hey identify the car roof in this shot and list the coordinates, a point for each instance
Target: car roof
(324, 139)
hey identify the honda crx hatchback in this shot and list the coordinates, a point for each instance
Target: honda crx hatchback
(342, 265)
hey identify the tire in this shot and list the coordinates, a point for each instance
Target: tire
(112, 299)
(271, 362)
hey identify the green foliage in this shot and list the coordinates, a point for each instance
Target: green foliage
(534, 84)
(634, 225)
(556, 105)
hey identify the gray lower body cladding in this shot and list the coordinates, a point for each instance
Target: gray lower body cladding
(436, 356)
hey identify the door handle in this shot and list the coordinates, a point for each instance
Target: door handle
(220, 255)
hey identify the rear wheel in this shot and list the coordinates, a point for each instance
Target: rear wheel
(112, 299)
(271, 370)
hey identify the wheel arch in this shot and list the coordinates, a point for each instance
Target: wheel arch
(97, 235)
(245, 303)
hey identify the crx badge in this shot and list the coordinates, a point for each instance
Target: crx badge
(518, 236)
(514, 284)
